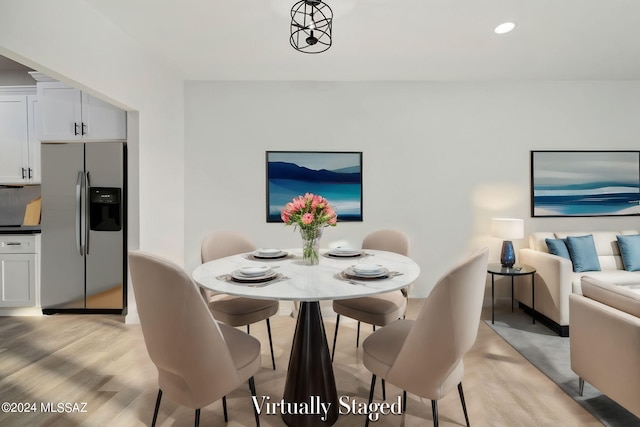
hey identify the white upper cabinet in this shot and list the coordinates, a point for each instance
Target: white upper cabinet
(34, 142)
(19, 148)
(68, 114)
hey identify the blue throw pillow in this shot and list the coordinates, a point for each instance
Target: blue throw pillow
(558, 247)
(583, 253)
(630, 251)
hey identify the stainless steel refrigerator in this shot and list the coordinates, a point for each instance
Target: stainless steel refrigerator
(83, 227)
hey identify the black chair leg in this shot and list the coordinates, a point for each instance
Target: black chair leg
(434, 410)
(197, 423)
(358, 335)
(224, 409)
(464, 406)
(580, 385)
(252, 387)
(384, 391)
(335, 337)
(273, 358)
(373, 386)
(155, 411)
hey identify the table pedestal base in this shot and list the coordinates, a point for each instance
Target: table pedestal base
(310, 382)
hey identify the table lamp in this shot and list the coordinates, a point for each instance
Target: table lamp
(507, 229)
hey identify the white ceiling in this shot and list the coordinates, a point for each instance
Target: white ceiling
(445, 40)
(390, 39)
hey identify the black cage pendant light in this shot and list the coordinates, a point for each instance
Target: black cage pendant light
(311, 22)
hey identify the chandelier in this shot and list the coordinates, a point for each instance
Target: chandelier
(311, 22)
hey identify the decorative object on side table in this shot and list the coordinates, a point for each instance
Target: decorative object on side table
(507, 229)
(311, 213)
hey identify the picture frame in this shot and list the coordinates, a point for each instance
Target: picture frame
(585, 183)
(335, 175)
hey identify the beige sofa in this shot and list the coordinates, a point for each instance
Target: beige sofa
(555, 279)
(605, 340)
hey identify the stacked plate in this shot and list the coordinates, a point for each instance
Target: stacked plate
(367, 271)
(253, 274)
(345, 252)
(269, 253)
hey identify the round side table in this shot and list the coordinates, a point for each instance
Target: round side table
(517, 270)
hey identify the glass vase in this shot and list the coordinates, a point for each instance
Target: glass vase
(311, 245)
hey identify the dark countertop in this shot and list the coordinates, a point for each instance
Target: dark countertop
(23, 229)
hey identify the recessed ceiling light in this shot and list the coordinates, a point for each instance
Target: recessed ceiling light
(504, 28)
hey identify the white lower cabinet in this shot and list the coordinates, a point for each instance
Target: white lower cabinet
(18, 271)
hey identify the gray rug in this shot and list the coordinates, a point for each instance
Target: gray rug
(550, 354)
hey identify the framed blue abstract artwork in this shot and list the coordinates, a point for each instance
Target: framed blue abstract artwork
(585, 183)
(335, 175)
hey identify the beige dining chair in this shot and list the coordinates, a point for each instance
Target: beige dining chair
(198, 360)
(424, 357)
(376, 310)
(230, 309)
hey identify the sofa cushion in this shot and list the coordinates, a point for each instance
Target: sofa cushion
(583, 253)
(612, 295)
(558, 247)
(615, 277)
(630, 251)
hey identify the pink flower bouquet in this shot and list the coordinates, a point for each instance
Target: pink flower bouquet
(309, 213)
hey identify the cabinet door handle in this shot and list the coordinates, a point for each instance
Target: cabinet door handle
(30, 173)
(12, 244)
(24, 173)
(75, 129)
(84, 129)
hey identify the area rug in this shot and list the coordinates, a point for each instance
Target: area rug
(550, 354)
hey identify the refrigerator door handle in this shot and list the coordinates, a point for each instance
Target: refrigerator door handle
(79, 185)
(87, 213)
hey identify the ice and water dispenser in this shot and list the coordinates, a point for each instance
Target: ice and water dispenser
(105, 208)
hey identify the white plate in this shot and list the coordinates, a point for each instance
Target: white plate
(367, 269)
(381, 273)
(345, 251)
(253, 271)
(238, 276)
(269, 253)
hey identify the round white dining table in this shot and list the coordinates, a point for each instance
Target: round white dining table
(310, 376)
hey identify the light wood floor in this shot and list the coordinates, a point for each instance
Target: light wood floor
(103, 362)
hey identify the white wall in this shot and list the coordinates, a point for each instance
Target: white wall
(70, 41)
(440, 159)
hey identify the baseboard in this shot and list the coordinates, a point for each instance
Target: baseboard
(48, 311)
(21, 311)
(563, 331)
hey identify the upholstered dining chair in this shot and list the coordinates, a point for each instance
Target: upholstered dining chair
(198, 360)
(424, 357)
(376, 310)
(230, 309)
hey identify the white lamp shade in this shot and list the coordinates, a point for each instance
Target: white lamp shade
(507, 228)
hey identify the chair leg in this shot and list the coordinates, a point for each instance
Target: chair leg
(273, 358)
(373, 386)
(252, 387)
(384, 391)
(224, 409)
(197, 423)
(358, 335)
(580, 385)
(434, 410)
(155, 411)
(464, 406)
(335, 337)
